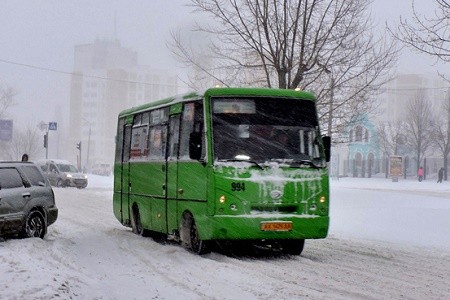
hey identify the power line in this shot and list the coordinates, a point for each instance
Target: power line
(415, 89)
(83, 75)
(172, 85)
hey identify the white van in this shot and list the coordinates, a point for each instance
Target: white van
(62, 173)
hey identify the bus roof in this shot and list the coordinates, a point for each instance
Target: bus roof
(214, 92)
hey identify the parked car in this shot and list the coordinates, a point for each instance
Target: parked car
(27, 201)
(101, 169)
(62, 173)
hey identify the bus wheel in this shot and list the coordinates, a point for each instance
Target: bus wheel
(189, 236)
(293, 247)
(136, 224)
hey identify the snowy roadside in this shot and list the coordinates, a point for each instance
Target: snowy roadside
(402, 185)
(89, 255)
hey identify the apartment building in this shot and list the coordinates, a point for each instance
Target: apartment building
(107, 79)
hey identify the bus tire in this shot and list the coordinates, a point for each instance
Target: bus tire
(136, 224)
(189, 237)
(293, 247)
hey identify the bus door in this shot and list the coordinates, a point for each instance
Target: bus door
(172, 173)
(187, 176)
(192, 171)
(125, 175)
(151, 172)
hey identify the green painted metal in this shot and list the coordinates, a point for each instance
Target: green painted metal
(227, 200)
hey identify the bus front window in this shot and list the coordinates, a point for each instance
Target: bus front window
(265, 129)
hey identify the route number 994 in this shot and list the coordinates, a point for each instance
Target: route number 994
(237, 186)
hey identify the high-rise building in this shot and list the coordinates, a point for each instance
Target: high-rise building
(404, 89)
(106, 80)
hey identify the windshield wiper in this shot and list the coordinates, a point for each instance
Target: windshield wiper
(243, 160)
(305, 162)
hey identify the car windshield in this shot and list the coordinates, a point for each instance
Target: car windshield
(67, 168)
(266, 129)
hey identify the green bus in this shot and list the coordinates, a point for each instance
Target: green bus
(227, 165)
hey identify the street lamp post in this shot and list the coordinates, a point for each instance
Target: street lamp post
(44, 126)
(89, 142)
(330, 114)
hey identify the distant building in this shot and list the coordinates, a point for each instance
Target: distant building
(403, 89)
(362, 155)
(106, 80)
(363, 148)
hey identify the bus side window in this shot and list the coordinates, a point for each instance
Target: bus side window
(192, 122)
(174, 137)
(157, 139)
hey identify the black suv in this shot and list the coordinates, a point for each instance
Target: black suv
(27, 201)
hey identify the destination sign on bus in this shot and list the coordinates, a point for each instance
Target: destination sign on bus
(234, 106)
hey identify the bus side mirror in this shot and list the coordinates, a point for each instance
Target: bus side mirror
(195, 145)
(327, 147)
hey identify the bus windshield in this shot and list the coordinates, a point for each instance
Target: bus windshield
(262, 130)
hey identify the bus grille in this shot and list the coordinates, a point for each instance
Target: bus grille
(277, 208)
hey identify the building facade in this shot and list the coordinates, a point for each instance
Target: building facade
(106, 80)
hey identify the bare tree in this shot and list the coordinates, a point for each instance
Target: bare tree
(428, 34)
(324, 46)
(27, 140)
(441, 133)
(6, 99)
(419, 125)
(391, 136)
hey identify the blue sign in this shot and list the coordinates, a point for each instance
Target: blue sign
(52, 126)
(6, 127)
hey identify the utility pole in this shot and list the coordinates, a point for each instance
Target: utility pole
(46, 144)
(330, 107)
(44, 126)
(448, 139)
(79, 149)
(89, 143)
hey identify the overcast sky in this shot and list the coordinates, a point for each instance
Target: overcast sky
(42, 33)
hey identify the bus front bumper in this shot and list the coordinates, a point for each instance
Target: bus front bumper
(258, 227)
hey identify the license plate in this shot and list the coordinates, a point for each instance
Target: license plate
(276, 226)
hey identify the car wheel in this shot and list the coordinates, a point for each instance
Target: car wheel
(35, 225)
(190, 238)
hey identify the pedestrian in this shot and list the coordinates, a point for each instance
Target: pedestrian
(440, 175)
(25, 157)
(420, 173)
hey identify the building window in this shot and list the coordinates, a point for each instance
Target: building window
(358, 133)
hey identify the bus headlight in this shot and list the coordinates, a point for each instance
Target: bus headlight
(322, 199)
(222, 199)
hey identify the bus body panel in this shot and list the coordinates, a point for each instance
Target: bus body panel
(192, 181)
(148, 178)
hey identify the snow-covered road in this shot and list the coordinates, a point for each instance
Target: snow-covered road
(87, 254)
